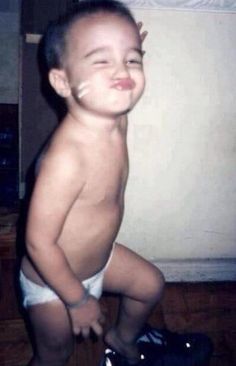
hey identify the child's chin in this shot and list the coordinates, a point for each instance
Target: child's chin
(124, 108)
(122, 111)
(118, 110)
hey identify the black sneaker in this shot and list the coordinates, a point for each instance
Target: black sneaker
(112, 358)
(165, 348)
(172, 349)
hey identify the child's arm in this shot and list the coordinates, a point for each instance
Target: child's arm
(58, 185)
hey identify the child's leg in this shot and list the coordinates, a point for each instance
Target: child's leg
(141, 285)
(52, 334)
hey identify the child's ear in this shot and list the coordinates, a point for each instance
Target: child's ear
(59, 82)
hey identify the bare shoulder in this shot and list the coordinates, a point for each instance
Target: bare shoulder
(65, 150)
(62, 166)
(58, 185)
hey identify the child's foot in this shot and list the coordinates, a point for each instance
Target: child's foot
(129, 351)
(159, 348)
(112, 358)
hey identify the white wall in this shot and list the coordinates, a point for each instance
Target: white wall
(181, 196)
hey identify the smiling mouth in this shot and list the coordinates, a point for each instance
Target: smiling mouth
(124, 84)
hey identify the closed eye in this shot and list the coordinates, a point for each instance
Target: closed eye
(100, 62)
(134, 62)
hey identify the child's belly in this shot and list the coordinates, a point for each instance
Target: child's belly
(87, 239)
(88, 236)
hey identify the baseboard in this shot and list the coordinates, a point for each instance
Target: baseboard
(198, 270)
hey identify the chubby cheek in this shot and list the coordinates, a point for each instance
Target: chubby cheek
(88, 87)
(139, 79)
(141, 87)
(82, 89)
(94, 91)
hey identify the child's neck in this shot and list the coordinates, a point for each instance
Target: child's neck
(96, 123)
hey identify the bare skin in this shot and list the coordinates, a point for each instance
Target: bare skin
(78, 201)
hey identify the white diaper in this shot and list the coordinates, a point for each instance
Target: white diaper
(35, 294)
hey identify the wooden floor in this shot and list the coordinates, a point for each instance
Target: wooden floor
(205, 307)
(209, 308)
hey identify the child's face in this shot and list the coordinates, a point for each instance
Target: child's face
(103, 64)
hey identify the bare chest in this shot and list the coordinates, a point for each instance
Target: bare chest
(106, 175)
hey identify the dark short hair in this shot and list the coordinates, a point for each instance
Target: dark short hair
(54, 40)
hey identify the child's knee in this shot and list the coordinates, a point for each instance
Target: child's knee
(55, 353)
(155, 284)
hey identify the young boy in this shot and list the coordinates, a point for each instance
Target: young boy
(94, 59)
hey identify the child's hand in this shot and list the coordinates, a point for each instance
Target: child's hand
(87, 317)
(143, 34)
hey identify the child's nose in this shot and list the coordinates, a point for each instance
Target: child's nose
(121, 71)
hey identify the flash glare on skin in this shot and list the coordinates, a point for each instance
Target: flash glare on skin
(83, 89)
(83, 84)
(82, 93)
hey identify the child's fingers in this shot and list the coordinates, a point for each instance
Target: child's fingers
(139, 25)
(76, 330)
(97, 328)
(85, 331)
(143, 34)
